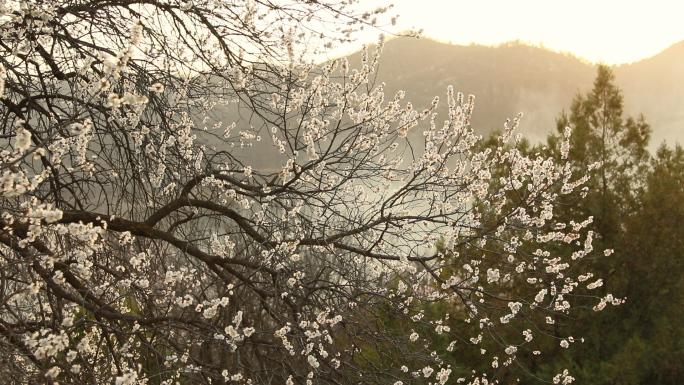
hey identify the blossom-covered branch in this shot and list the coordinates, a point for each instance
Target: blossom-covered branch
(186, 198)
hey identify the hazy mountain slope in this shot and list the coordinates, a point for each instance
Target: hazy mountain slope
(655, 87)
(514, 78)
(506, 80)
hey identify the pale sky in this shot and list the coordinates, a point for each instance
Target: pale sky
(600, 30)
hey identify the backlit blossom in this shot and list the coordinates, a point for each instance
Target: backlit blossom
(137, 224)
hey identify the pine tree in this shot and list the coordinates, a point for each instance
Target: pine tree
(615, 146)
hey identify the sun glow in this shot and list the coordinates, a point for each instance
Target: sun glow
(607, 31)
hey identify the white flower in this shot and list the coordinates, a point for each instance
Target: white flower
(510, 350)
(413, 336)
(282, 331)
(528, 335)
(209, 312)
(125, 237)
(492, 275)
(515, 307)
(312, 361)
(128, 378)
(71, 356)
(237, 320)
(22, 139)
(231, 331)
(443, 375)
(53, 372)
(113, 100)
(311, 152)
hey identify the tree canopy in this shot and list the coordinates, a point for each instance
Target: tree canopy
(635, 201)
(144, 241)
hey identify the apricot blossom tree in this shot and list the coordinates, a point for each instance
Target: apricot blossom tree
(186, 199)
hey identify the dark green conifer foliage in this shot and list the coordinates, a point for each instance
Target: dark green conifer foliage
(651, 275)
(638, 209)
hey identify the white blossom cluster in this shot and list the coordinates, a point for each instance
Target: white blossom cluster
(145, 241)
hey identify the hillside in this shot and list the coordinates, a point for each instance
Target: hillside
(655, 87)
(512, 77)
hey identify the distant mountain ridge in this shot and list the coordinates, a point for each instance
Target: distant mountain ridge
(514, 77)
